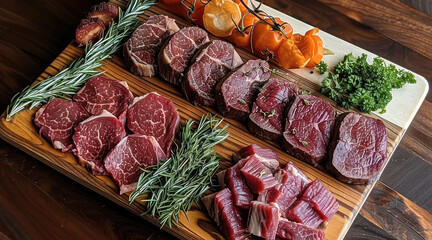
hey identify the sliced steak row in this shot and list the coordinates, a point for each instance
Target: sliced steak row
(267, 117)
(177, 52)
(141, 50)
(358, 151)
(236, 91)
(212, 62)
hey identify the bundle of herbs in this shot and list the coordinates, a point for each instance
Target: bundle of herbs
(356, 83)
(173, 185)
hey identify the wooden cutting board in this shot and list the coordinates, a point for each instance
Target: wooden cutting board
(23, 134)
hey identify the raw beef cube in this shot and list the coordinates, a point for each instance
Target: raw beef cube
(258, 177)
(263, 220)
(94, 138)
(267, 117)
(236, 91)
(235, 170)
(358, 151)
(308, 127)
(101, 93)
(240, 190)
(213, 61)
(56, 121)
(297, 231)
(141, 50)
(177, 52)
(105, 11)
(228, 216)
(267, 157)
(154, 115)
(303, 212)
(321, 198)
(293, 170)
(132, 153)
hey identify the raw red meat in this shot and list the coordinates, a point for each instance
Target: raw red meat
(178, 51)
(209, 65)
(236, 91)
(263, 220)
(267, 157)
(301, 177)
(101, 93)
(308, 127)
(241, 192)
(57, 120)
(89, 30)
(141, 50)
(228, 216)
(267, 117)
(321, 198)
(105, 11)
(94, 138)
(303, 212)
(258, 177)
(296, 231)
(154, 115)
(132, 153)
(358, 151)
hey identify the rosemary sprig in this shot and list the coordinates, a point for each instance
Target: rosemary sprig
(68, 81)
(175, 184)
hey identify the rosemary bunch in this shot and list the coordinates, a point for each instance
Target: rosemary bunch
(68, 81)
(175, 184)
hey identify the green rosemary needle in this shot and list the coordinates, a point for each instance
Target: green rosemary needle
(173, 185)
(68, 81)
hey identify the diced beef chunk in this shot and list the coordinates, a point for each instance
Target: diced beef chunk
(263, 220)
(303, 212)
(258, 177)
(105, 11)
(296, 231)
(321, 198)
(267, 157)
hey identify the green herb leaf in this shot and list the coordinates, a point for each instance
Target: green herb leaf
(260, 90)
(322, 67)
(304, 143)
(262, 173)
(272, 113)
(247, 73)
(306, 102)
(242, 101)
(305, 92)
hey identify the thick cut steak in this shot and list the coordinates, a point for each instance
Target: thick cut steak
(267, 117)
(178, 51)
(236, 91)
(94, 138)
(154, 115)
(358, 151)
(57, 120)
(101, 93)
(141, 50)
(210, 64)
(132, 153)
(308, 127)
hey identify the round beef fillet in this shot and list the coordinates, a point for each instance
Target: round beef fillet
(358, 151)
(56, 121)
(94, 138)
(132, 153)
(141, 50)
(101, 93)
(154, 115)
(177, 52)
(308, 127)
(267, 117)
(210, 64)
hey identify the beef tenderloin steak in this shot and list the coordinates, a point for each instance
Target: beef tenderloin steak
(154, 115)
(132, 153)
(141, 50)
(236, 91)
(358, 150)
(267, 117)
(56, 121)
(210, 64)
(94, 138)
(308, 127)
(177, 52)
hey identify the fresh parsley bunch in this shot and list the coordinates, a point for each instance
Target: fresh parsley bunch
(356, 83)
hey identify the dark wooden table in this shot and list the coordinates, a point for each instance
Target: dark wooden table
(36, 202)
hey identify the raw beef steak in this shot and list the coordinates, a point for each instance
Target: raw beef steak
(178, 51)
(267, 117)
(101, 93)
(94, 138)
(209, 65)
(236, 91)
(267, 157)
(56, 121)
(296, 231)
(132, 153)
(358, 150)
(140, 51)
(308, 127)
(154, 115)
